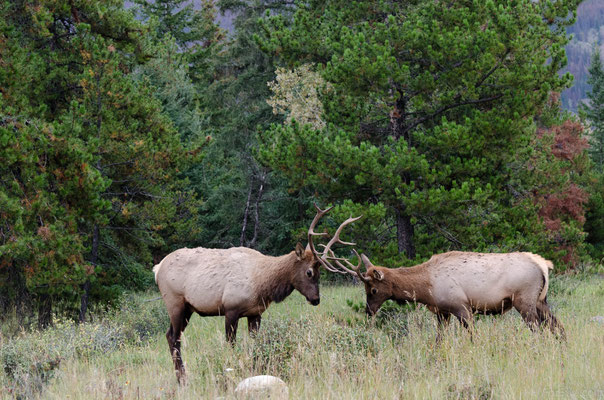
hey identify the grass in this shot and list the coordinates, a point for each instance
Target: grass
(324, 352)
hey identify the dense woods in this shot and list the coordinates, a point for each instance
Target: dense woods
(587, 35)
(127, 131)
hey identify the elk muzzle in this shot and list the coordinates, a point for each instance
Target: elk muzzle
(371, 310)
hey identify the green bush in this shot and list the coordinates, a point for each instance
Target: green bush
(30, 359)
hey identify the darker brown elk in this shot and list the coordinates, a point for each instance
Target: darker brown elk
(236, 283)
(463, 283)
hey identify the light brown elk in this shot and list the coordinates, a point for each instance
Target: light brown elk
(463, 283)
(235, 283)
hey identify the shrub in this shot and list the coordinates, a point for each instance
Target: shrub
(30, 359)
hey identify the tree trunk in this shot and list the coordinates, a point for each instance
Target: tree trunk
(246, 214)
(257, 209)
(94, 256)
(44, 311)
(404, 228)
(20, 301)
(404, 234)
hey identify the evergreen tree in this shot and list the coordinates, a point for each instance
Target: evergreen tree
(594, 111)
(245, 204)
(594, 114)
(561, 172)
(169, 75)
(193, 29)
(107, 158)
(429, 119)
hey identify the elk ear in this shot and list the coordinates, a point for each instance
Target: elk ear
(366, 261)
(299, 251)
(378, 275)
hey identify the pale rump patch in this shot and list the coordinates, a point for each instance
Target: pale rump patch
(156, 269)
(545, 266)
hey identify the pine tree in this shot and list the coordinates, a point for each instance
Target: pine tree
(561, 172)
(246, 204)
(594, 111)
(594, 114)
(430, 116)
(108, 161)
(191, 24)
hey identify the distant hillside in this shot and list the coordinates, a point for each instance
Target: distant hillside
(587, 31)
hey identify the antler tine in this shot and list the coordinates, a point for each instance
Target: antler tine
(356, 269)
(311, 230)
(327, 252)
(337, 260)
(330, 267)
(336, 236)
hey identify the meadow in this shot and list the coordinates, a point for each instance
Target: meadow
(325, 352)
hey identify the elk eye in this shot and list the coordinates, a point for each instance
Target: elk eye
(309, 273)
(373, 291)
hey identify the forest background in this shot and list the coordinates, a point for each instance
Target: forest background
(130, 130)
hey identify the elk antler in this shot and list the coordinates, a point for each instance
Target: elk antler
(328, 253)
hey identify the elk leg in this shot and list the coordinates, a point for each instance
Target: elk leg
(443, 321)
(528, 311)
(253, 323)
(465, 319)
(178, 323)
(231, 321)
(546, 317)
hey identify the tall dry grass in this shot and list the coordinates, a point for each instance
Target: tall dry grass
(333, 352)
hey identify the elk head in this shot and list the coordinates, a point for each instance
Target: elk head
(306, 278)
(377, 288)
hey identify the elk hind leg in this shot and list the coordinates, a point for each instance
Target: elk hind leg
(528, 311)
(178, 322)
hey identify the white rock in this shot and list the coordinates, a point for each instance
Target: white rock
(598, 318)
(262, 387)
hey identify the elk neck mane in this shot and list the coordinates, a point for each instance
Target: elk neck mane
(274, 277)
(411, 283)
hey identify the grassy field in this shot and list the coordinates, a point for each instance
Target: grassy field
(324, 352)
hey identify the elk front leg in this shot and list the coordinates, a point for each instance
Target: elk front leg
(253, 324)
(231, 321)
(443, 321)
(466, 319)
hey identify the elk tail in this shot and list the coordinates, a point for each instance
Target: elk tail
(156, 269)
(545, 266)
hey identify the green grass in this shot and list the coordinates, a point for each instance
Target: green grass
(325, 352)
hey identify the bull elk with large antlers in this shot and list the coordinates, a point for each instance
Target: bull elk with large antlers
(237, 282)
(462, 283)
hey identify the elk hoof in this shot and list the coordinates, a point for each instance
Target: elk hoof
(181, 377)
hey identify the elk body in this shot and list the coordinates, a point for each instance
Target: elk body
(235, 283)
(463, 283)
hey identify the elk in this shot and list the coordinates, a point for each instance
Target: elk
(462, 283)
(237, 282)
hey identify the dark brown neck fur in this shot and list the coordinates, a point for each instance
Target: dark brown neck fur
(276, 278)
(410, 284)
